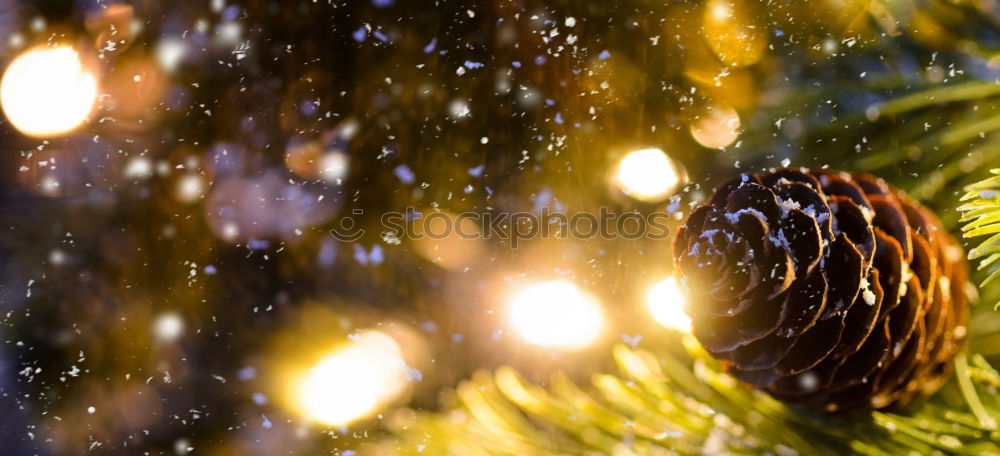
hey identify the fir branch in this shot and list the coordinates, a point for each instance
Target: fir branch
(665, 405)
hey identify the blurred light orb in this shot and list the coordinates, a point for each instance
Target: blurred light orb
(138, 168)
(333, 166)
(556, 314)
(170, 52)
(353, 382)
(321, 159)
(735, 31)
(717, 128)
(49, 185)
(182, 446)
(666, 303)
(168, 327)
(720, 11)
(190, 188)
(47, 91)
(57, 257)
(648, 175)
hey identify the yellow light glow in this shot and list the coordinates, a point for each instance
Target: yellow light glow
(735, 30)
(333, 166)
(648, 175)
(666, 303)
(721, 11)
(556, 314)
(47, 91)
(168, 327)
(354, 381)
(718, 127)
(190, 188)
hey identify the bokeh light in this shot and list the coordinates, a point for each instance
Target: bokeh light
(735, 31)
(353, 382)
(666, 303)
(47, 91)
(168, 327)
(190, 188)
(718, 127)
(556, 314)
(648, 175)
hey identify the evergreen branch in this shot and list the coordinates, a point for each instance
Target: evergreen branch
(666, 405)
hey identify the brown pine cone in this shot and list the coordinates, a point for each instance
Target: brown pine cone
(826, 289)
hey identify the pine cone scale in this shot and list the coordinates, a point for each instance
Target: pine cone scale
(803, 305)
(843, 268)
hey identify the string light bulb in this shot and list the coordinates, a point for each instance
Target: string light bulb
(556, 314)
(648, 175)
(47, 91)
(666, 304)
(353, 382)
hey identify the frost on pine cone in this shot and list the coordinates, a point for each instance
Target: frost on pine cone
(826, 289)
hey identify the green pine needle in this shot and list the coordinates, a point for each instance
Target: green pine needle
(981, 214)
(663, 404)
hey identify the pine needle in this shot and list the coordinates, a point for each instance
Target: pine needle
(981, 214)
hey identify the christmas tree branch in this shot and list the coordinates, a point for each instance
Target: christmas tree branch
(663, 404)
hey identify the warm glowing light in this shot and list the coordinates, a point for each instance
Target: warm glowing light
(190, 188)
(648, 175)
(47, 91)
(721, 11)
(556, 314)
(717, 128)
(168, 327)
(333, 166)
(666, 303)
(736, 31)
(139, 168)
(170, 52)
(353, 382)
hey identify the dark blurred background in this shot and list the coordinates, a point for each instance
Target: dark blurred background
(168, 266)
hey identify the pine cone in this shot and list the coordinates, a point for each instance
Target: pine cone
(825, 289)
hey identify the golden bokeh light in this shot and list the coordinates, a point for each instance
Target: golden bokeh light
(47, 91)
(648, 175)
(718, 127)
(735, 30)
(666, 304)
(556, 314)
(168, 327)
(189, 188)
(353, 382)
(324, 158)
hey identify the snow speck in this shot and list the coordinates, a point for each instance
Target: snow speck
(430, 46)
(404, 174)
